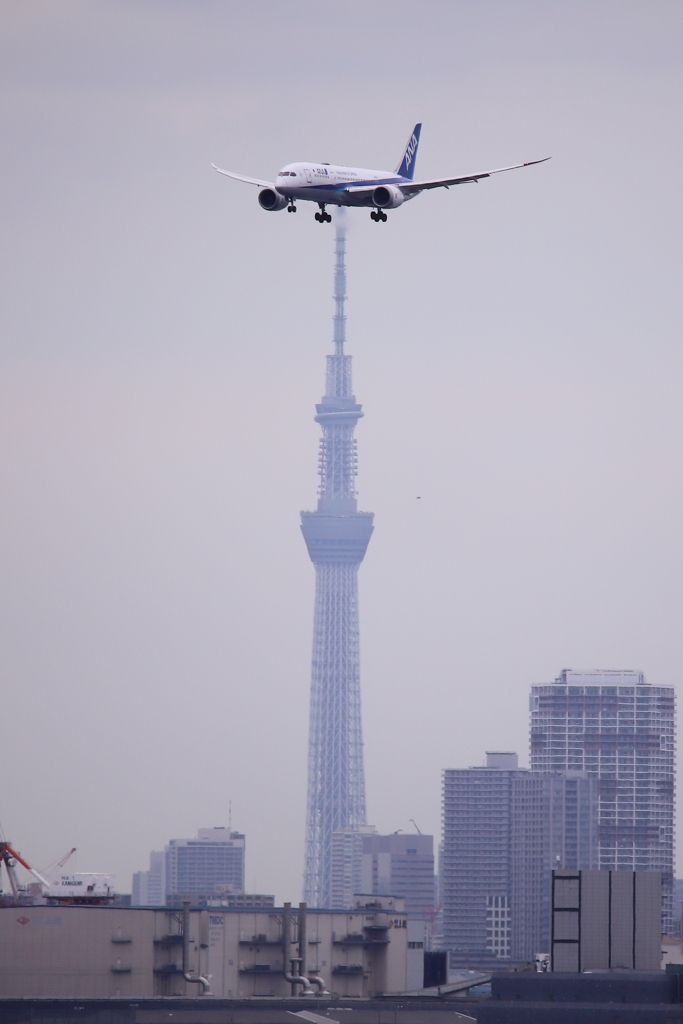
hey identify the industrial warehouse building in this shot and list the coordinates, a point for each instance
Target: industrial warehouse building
(75, 952)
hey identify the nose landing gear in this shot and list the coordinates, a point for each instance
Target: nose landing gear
(378, 215)
(322, 216)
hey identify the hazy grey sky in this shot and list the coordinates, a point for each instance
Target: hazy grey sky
(517, 350)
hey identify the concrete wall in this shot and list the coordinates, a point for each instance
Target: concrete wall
(606, 920)
(70, 952)
(100, 952)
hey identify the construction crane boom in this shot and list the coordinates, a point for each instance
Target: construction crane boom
(6, 852)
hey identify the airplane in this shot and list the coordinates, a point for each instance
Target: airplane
(332, 185)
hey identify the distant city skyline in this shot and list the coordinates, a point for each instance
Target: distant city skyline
(210, 865)
(519, 349)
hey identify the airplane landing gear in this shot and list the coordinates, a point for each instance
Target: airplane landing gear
(322, 216)
(378, 215)
(291, 208)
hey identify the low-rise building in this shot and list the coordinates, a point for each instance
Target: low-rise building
(100, 952)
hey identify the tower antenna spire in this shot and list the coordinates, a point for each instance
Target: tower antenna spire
(340, 281)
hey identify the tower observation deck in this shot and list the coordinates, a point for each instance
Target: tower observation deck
(336, 536)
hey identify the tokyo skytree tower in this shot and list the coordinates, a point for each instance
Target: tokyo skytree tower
(337, 536)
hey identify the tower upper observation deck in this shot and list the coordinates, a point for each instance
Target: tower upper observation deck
(337, 531)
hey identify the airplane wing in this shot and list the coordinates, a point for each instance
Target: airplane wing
(410, 188)
(241, 177)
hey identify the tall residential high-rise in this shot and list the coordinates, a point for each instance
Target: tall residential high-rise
(337, 536)
(346, 866)
(504, 830)
(620, 730)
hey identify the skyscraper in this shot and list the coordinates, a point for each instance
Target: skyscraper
(336, 536)
(400, 864)
(620, 730)
(210, 864)
(505, 828)
(149, 887)
(346, 866)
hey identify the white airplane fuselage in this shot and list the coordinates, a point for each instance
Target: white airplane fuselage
(337, 185)
(333, 183)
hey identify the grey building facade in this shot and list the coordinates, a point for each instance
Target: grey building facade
(399, 864)
(149, 887)
(621, 731)
(207, 867)
(606, 921)
(107, 952)
(504, 830)
(212, 863)
(346, 867)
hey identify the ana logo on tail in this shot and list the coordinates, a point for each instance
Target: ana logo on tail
(412, 146)
(407, 166)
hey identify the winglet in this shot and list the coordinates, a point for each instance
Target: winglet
(406, 168)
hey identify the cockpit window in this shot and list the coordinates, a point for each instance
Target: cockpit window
(284, 174)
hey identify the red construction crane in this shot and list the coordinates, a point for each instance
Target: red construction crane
(62, 862)
(8, 856)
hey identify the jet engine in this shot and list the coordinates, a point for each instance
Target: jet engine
(387, 197)
(270, 199)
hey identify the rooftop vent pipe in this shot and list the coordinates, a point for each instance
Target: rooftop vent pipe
(294, 962)
(303, 946)
(198, 979)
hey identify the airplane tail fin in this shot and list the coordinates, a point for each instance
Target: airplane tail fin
(406, 168)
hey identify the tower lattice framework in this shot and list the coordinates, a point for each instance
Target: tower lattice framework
(337, 536)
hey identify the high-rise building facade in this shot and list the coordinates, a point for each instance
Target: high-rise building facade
(621, 731)
(399, 864)
(211, 864)
(505, 829)
(149, 887)
(337, 536)
(346, 866)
